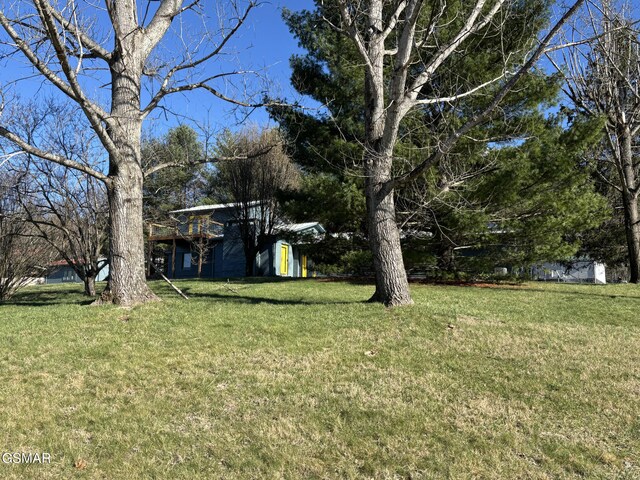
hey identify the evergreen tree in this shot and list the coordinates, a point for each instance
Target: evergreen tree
(531, 204)
(458, 201)
(178, 187)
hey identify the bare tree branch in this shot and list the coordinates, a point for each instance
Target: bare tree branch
(448, 144)
(30, 149)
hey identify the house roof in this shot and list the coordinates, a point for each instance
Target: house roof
(301, 227)
(64, 263)
(284, 227)
(211, 208)
(59, 263)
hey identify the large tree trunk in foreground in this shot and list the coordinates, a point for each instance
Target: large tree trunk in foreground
(392, 287)
(629, 183)
(381, 127)
(62, 49)
(127, 284)
(410, 35)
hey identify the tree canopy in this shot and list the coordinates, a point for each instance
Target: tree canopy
(517, 172)
(179, 187)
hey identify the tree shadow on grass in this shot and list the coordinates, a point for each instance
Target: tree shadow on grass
(557, 292)
(255, 300)
(49, 297)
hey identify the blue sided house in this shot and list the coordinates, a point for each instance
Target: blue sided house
(62, 272)
(205, 242)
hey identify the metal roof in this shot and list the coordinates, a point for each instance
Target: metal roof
(301, 227)
(210, 208)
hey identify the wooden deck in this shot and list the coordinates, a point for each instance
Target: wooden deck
(194, 229)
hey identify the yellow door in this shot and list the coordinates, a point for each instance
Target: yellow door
(284, 260)
(304, 266)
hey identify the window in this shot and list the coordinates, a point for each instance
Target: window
(186, 261)
(284, 260)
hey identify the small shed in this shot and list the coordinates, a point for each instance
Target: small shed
(289, 258)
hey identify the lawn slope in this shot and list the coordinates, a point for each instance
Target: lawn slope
(303, 379)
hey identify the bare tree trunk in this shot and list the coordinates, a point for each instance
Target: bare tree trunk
(629, 184)
(446, 259)
(127, 284)
(201, 253)
(90, 285)
(392, 287)
(632, 228)
(249, 259)
(173, 256)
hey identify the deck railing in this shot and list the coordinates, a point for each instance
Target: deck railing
(190, 228)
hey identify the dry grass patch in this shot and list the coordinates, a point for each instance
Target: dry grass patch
(305, 380)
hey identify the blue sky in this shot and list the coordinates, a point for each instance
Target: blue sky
(263, 44)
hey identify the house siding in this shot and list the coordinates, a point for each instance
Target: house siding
(210, 266)
(233, 259)
(63, 275)
(578, 272)
(226, 258)
(66, 274)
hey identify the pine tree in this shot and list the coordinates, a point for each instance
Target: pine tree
(457, 201)
(179, 187)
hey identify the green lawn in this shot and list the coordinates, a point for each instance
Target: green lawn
(303, 380)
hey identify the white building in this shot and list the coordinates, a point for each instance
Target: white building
(579, 271)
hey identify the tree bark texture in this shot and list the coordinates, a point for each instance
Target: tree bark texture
(201, 253)
(629, 183)
(90, 286)
(249, 261)
(632, 227)
(127, 285)
(248, 246)
(392, 286)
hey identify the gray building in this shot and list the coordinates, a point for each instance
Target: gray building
(62, 272)
(579, 271)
